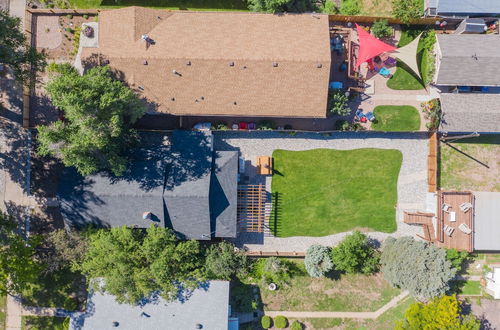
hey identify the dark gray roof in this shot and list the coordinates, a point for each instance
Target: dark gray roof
(470, 112)
(208, 306)
(468, 7)
(469, 60)
(487, 221)
(182, 184)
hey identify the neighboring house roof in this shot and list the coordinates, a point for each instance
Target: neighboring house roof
(468, 7)
(469, 60)
(208, 306)
(487, 221)
(186, 186)
(470, 112)
(220, 59)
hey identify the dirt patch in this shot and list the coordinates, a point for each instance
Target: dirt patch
(377, 8)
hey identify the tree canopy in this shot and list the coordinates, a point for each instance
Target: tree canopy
(98, 112)
(407, 10)
(135, 264)
(418, 267)
(279, 6)
(62, 249)
(18, 268)
(15, 52)
(440, 313)
(318, 261)
(355, 255)
(223, 263)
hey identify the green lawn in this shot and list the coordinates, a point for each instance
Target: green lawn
(354, 293)
(392, 118)
(44, 323)
(467, 287)
(404, 78)
(212, 5)
(3, 302)
(323, 191)
(471, 164)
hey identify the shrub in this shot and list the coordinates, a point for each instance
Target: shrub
(86, 16)
(329, 7)
(76, 41)
(338, 103)
(350, 7)
(342, 125)
(69, 16)
(266, 322)
(271, 270)
(457, 258)
(432, 112)
(317, 261)
(279, 6)
(355, 255)
(418, 267)
(381, 29)
(296, 325)
(221, 126)
(223, 263)
(265, 125)
(61, 68)
(407, 10)
(280, 322)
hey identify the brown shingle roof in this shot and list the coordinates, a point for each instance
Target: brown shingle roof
(210, 43)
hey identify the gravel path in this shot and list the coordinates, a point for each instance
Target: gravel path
(412, 182)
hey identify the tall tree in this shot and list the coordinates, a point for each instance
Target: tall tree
(136, 263)
(18, 268)
(440, 313)
(98, 113)
(15, 52)
(62, 249)
(355, 255)
(407, 10)
(418, 267)
(223, 263)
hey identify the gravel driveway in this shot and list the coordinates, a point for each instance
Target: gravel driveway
(412, 181)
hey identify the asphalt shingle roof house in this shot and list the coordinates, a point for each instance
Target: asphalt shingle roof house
(462, 8)
(179, 179)
(219, 64)
(468, 60)
(207, 306)
(474, 112)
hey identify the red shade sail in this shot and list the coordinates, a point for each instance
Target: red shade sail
(369, 46)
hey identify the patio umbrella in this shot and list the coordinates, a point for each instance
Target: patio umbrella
(369, 46)
(408, 55)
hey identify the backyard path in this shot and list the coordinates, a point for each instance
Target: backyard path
(412, 182)
(344, 315)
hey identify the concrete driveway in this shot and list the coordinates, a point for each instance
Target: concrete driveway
(489, 311)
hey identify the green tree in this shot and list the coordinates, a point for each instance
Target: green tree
(457, 258)
(440, 313)
(350, 7)
(381, 29)
(63, 249)
(355, 255)
(318, 261)
(338, 102)
(136, 263)
(15, 52)
(279, 6)
(223, 263)
(418, 267)
(407, 10)
(98, 114)
(18, 267)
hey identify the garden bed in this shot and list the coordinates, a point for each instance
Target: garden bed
(396, 118)
(44, 323)
(323, 191)
(209, 5)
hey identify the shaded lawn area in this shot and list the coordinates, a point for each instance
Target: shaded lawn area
(404, 78)
(56, 290)
(393, 118)
(3, 302)
(354, 293)
(44, 323)
(211, 5)
(383, 322)
(323, 191)
(462, 169)
(466, 287)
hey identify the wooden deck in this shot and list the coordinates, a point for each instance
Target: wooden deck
(458, 239)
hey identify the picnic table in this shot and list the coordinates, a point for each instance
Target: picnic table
(265, 165)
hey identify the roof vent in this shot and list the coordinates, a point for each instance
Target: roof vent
(198, 326)
(275, 64)
(244, 67)
(474, 56)
(147, 215)
(188, 63)
(319, 65)
(173, 98)
(176, 72)
(140, 88)
(235, 103)
(231, 63)
(202, 97)
(145, 62)
(115, 324)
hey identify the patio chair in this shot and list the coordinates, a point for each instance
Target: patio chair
(390, 61)
(465, 229)
(384, 72)
(252, 126)
(465, 207)
(243, 125)
(448, 230)
(446, 207)
(370, 116)
(358, 115)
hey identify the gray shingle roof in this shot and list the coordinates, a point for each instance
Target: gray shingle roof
(470, 112)
(468, 7)
(487, 221)
(207, 306)
(469, 60)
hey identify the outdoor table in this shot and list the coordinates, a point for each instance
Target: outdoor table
(264, 165)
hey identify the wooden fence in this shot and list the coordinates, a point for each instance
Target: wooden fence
(48, 11)
(275, 254)
(432, 162)
(391, 20)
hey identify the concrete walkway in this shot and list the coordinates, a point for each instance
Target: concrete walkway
(343, 315)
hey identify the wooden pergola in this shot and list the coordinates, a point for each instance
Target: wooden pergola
(252, 207)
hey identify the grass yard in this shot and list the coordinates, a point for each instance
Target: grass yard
(44, 323)
(461, 168)
(404, 78)
(209, 5)
(393, 118)
(353, 293)
(3, 303)
(380, 8)
(323, 191)
(467, 287)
